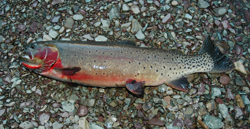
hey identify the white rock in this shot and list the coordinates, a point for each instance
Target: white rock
(125, 7)
(53, 33)
(203, 3)
(69, 107)
(125, 25)
(46, 37)
(95, 126)
(105, 24)
(87, 36)
(57, 125)
(240, 67)
(77, 17)
(140, 35)
(83, 123)
(135, 9)
(26, 125)
(136, 26)
(41, 127)
(61, 29)
(188, 16)
(101, 38)
(97, 24)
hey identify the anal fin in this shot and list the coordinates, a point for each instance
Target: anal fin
(135, 87)
(179, 84)
(67, 71)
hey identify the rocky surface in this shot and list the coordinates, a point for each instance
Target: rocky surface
(28, 100)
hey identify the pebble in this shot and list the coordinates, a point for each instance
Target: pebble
(162, 88)
(78, 17)
(2, 111)
(188, 113)
(224, 79)
(166, 18)
(101, 38)
(54, 2)
(213, 122)
(53, 33)
(188, 16)
(83, 123)
(221, 11)
(223, 110)
(57, 125)
(67, 106)
(135, 9)
(136, 26)
(113, 13)
(171, 126)
(216, 92)
(178, 122)
(33, 27)
(240, 67)
(43, 118)
(245, 99)
(26, 125)
(87, 36)
(156, 121)
(226, 24)
(55, 19)
(174, 3)
(69, 23)
(21, 27)
(239, 101)
(203, 3)
(139, 35)
(105, 24)
(125, 7)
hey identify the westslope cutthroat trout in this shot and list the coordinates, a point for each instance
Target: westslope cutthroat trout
(107, 64)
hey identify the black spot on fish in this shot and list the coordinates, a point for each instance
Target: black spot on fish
(81, 57)
(103, 53)
(164, 58)
(169, 68)
(148, 57)
(75, 54)
(121, 52)
(105, 61)
(180, 67)
(103, 73)
(94, 60)
(174, 68)
(129, 62)
(130, 52)
(156, 70)
(111, 54)
(151, 67)
(95, 50)
(95, 73)
(164, 67)
(161, 74)
(139, 63)
(89, 51)
(155, 56)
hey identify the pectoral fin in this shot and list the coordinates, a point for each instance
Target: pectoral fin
(135, 87)
(179, 84)
(68, 71)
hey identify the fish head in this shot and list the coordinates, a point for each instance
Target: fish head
(39, 57)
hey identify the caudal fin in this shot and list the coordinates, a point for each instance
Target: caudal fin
(221, 62)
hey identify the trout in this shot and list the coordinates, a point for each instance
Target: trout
(113, 64)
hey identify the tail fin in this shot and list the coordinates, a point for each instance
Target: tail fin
(221, 62)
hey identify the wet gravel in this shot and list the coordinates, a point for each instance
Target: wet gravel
(29, 101)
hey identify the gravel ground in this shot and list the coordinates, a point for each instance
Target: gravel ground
(28, 100)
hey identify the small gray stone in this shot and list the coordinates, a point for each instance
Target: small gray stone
(216, 92)
(113, 13)
(53, 33)
(69, 23)
(140, 35)
(162, 88)
(26, 125)
(135, 9)
(136, 26)
(78, 17)
(101, 38)
(69, 107)
(125, 7)
(57, 125)
(245, 99)
(87, 1)
(203, 3)
(223, 110)
(1, 38)
(95, 126)
(188, 16)
(213, 122)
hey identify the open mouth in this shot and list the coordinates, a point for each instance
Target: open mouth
(28, 60)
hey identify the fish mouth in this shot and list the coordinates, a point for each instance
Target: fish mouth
(27, 59)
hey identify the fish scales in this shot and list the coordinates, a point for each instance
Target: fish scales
(114, 64)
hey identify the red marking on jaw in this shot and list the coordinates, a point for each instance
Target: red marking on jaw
(32, 66)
